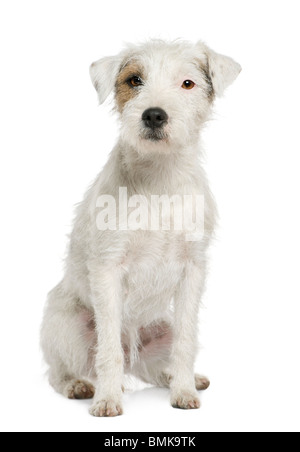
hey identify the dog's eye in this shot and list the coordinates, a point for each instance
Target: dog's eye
(135, 81)
(188, 84)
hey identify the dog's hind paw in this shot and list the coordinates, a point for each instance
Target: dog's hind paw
(106, 408)
(201, 382)
(79, 389)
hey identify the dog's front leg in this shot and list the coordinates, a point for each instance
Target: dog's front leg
(107, 303)
(187, 300)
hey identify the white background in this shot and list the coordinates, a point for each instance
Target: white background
(55, 139)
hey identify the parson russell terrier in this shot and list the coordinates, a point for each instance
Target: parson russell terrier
(129, 300)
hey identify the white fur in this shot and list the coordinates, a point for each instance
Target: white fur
(223, 70)
(135, 283)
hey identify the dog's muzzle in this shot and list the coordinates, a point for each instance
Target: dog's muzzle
(154, 119)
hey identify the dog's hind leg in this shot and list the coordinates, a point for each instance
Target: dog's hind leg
(68, 385)
(156, 373)
(201, 383)
(155, 352)
(68, 342)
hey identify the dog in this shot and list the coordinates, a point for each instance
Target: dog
(129, 300)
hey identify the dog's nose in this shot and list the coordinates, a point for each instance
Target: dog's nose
(154, 117)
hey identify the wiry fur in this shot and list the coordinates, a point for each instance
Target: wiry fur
(129, 299)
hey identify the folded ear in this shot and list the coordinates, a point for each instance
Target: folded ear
(104, 74)
(222, 70)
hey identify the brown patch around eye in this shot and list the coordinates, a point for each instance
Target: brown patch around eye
(125, 92)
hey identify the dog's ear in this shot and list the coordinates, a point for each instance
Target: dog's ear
(104, 74)
(222, 69)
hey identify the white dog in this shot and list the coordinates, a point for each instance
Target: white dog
(130, 296)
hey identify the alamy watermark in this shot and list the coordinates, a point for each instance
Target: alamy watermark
(178, 213)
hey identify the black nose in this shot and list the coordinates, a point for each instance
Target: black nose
(154, 117)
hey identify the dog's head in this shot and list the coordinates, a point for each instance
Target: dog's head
(163, 90)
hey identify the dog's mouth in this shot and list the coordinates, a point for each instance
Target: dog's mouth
(154, 135)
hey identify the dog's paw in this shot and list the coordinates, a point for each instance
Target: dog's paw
(106, 408)
(186, 400)
(201, 382)
(79, 389)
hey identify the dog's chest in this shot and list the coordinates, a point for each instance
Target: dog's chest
(154, 265)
